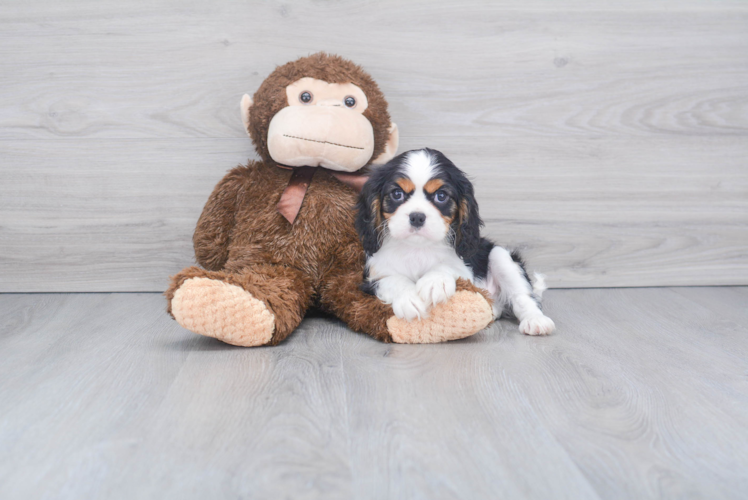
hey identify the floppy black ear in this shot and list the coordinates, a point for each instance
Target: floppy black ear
(368, 217)
(467, 224)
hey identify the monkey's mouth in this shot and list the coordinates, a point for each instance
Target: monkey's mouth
(321, 142)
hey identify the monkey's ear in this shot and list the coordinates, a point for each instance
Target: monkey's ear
(390, 148)
(245, 105)
(368, 218)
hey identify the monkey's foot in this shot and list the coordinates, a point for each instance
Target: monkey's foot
(465, 314)
(227, 312)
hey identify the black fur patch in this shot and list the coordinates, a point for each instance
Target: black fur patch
(478, 261)
(369, 287)
(369, 206)
(447, 208)
(517, 258)
(389, 204)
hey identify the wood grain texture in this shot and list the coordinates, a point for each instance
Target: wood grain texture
(607, 141)
(641, 394)
(142, 70)
(119, 215)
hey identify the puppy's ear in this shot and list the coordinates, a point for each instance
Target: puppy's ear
(369, 217)
(468, 222)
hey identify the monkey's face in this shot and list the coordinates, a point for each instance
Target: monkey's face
(320, 111)
(323, 125)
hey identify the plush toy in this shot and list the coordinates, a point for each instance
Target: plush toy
(277, 236)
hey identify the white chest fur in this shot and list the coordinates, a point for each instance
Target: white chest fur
(413, 259)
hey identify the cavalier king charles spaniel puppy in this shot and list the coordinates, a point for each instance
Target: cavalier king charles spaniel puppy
(419, 225)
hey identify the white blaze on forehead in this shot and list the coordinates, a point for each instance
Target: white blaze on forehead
(419, 169)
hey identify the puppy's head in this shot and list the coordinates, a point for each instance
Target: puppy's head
(421, 197)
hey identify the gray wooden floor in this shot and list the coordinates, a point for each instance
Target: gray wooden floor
(643, 393)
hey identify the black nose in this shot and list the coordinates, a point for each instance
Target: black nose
(417, 219)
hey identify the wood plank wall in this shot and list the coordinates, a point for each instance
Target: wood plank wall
(608, 140)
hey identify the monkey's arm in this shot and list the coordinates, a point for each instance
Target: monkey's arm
(340, 293)
(211, 238)
(467, 312)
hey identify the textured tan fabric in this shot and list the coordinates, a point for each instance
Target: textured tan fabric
(227, 312)
(465, 314)
(321, 136)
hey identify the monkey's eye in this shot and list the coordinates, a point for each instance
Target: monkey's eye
(305, 97)
(440, 196)
(350, 101)
(397, 195)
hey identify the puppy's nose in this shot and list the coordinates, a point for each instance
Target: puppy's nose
(417, 219)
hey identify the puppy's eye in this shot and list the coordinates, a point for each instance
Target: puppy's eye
(350, 102)
(440, 196)
(397, 195)
(305, 97)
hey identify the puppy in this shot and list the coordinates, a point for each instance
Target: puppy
(420, 227)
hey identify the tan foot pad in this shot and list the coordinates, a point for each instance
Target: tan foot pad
(223, 311)
(465, 314)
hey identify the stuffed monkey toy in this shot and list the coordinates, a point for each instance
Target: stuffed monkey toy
(277, 236)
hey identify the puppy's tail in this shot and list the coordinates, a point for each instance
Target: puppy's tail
(538, 285)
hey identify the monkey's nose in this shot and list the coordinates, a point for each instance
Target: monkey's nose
(417, 219)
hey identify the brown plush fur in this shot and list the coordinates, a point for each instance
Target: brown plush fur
(283, 290)
(271, 96)
(242, 240)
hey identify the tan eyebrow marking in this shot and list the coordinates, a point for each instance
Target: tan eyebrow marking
(432, 185)
(406, 184)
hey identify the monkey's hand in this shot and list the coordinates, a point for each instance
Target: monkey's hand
(466, 313)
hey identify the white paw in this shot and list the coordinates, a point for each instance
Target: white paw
(409, 306)
(537, 325)
(435, 288)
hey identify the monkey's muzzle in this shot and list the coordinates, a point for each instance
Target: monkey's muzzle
(321, 136)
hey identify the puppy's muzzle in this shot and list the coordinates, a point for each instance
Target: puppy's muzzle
(417, 219)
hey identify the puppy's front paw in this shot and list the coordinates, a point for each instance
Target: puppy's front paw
(537, 325)
(409, 306)
(435, 287)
